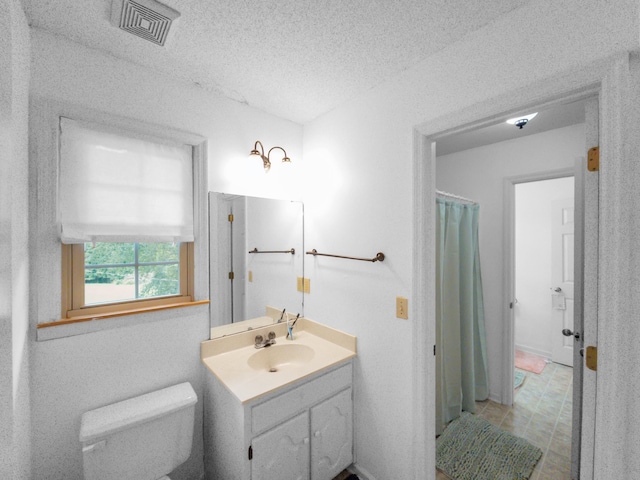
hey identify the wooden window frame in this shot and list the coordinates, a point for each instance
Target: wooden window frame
(72, 304)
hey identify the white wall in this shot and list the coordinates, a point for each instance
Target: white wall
(357, 180)
(534, 328)
(75, 374)
(14, 259)
(479, 174)
(358, 197)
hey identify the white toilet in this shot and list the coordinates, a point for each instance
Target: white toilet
(142, 438)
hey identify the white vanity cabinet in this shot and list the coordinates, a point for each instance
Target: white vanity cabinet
(299, 432)
(319, 441)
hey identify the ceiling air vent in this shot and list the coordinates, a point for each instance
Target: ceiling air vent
(147, 19)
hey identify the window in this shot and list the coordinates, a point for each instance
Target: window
(125, 220)
(102, 278)
(115, 272)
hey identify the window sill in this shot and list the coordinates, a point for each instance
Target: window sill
(91, 323)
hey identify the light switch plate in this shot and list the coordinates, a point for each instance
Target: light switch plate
(304, 285)
(402, 308)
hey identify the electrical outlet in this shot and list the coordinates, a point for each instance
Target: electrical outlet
(250, 276)
(402, 308)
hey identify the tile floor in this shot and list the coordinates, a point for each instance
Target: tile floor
(541, 413)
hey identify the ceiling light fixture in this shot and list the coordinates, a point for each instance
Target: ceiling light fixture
(266, 162)
(520, 122)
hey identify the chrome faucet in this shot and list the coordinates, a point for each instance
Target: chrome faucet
(260, 342)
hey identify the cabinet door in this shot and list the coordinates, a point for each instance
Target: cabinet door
(282, 452)
(331, 436)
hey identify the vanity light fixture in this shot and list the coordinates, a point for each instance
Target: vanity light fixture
(520, 122)
(266, 159)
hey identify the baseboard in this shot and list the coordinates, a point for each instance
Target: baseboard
(495, 398)
(534, 351)
(360, 472)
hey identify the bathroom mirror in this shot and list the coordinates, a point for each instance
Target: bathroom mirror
(256, 252)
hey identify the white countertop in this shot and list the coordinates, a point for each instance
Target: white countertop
(227, 357)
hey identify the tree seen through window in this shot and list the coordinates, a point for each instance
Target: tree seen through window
(125, 271)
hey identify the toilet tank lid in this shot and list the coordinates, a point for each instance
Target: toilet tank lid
(113, 418)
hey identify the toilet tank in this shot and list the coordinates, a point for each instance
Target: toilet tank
(142, 438)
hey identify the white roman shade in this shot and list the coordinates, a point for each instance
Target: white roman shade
(117, 188)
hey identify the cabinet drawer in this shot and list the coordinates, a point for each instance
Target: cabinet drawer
(275, 410)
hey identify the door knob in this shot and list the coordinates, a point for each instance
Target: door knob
(567, 333)
(557, 289)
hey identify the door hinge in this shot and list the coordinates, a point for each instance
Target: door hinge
(250, 453)
(591, 358)
(593, 159)
(434, 350)
(231, 275)
(231, 217)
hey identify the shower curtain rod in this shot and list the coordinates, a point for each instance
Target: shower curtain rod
(455, 197)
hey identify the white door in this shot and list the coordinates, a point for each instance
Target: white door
(562, 281)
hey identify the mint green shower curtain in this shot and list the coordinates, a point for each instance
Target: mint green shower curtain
(461, 360)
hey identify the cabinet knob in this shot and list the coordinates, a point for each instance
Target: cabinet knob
(305, 441)
(317, 434)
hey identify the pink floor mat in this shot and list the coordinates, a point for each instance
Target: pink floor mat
(530, 362)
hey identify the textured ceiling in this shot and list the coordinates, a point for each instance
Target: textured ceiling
(294, 58)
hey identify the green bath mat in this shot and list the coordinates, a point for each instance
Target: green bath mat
(471, 448)
(519, 378)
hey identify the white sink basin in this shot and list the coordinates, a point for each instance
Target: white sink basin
(277, 357)
(249, 373)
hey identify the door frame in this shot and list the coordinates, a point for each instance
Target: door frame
(605, 79)
(509, 272)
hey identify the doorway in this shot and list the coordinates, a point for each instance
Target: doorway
(543, 233)
(544, 272)
(612, 82)
(489, 174)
